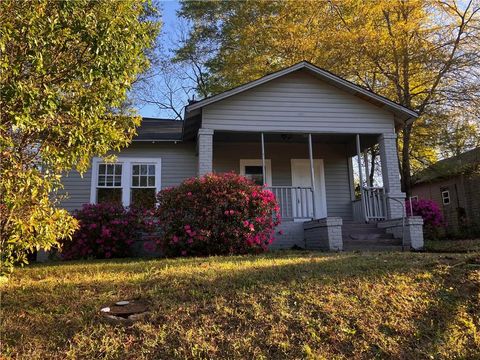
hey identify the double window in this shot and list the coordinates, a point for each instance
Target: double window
(128, 181)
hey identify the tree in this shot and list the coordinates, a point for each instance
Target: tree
(66, 69)
(422, 54)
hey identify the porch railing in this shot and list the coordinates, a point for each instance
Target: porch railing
(375, 207)
(295, 202)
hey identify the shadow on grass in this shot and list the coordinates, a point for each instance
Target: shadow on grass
(51, 312)
(458, 292)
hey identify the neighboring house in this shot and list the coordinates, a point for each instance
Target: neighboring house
(295, 130)
(454, 184)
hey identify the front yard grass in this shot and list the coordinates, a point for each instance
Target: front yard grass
(285, 305)
(453, 246)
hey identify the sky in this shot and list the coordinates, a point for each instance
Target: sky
(169, 19)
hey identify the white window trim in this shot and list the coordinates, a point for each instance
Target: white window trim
(448, 196)
(257, 162)
(127, 163)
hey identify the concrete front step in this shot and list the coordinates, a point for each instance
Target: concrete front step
(373, 245)
(379, 241)
(373, 248)
(367, 236)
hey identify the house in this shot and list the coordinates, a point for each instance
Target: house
(454, 184)
(296, 131)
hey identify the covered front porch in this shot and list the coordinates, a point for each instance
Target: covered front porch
(312, 176)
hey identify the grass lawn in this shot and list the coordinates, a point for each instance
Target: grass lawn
(452, 245)
(292, 305)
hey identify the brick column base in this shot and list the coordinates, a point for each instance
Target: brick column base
(324, 234)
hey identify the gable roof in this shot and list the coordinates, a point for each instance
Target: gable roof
(158, 129)
(402, 112)
(449, 167)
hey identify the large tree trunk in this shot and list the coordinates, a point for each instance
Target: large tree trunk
(405, 168)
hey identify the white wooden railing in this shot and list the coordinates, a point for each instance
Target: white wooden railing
(372, 205)
(295, 202)
(358, 210)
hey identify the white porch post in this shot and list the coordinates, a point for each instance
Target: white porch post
(391, 175)
(264, 173)
(360, 175)
(367, 172)
(312, 175)
(205, 151)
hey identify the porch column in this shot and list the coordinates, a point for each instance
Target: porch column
(360, 176)
(391, 175)
(312, 175)
(205, 151)
(264, 173)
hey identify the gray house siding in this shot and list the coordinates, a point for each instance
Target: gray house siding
(297, 102)
(226, 157)
(179, 162)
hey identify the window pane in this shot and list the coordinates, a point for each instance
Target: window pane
(151, 181)
(151, 169)
(113, 195)
(143, 169)
(254, 173)
(118, 180)
(101, 169)
(109, 181)
(253, 170)
(118, 169)
(110, 169)
(135, 181)
(101, 180)
(135, 169)
(143, 198)
(143, 181)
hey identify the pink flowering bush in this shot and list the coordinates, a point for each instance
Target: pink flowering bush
(106, 231)
(216, 214)
(428, 210)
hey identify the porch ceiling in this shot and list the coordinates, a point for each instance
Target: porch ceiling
(366, 140)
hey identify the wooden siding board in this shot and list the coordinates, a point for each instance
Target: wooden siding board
(179, 162)
(297, 102)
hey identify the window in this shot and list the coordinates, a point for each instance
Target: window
(143, 188)
(129, 181)
(254, 173)
(252, 169)
(446, 197)
(109, 183)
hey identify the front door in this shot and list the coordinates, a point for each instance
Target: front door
(301, 177)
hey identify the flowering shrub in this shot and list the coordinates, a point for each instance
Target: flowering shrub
(106, 231)
(428, 210)
(216, 214)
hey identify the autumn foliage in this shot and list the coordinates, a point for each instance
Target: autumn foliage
(216, 214)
